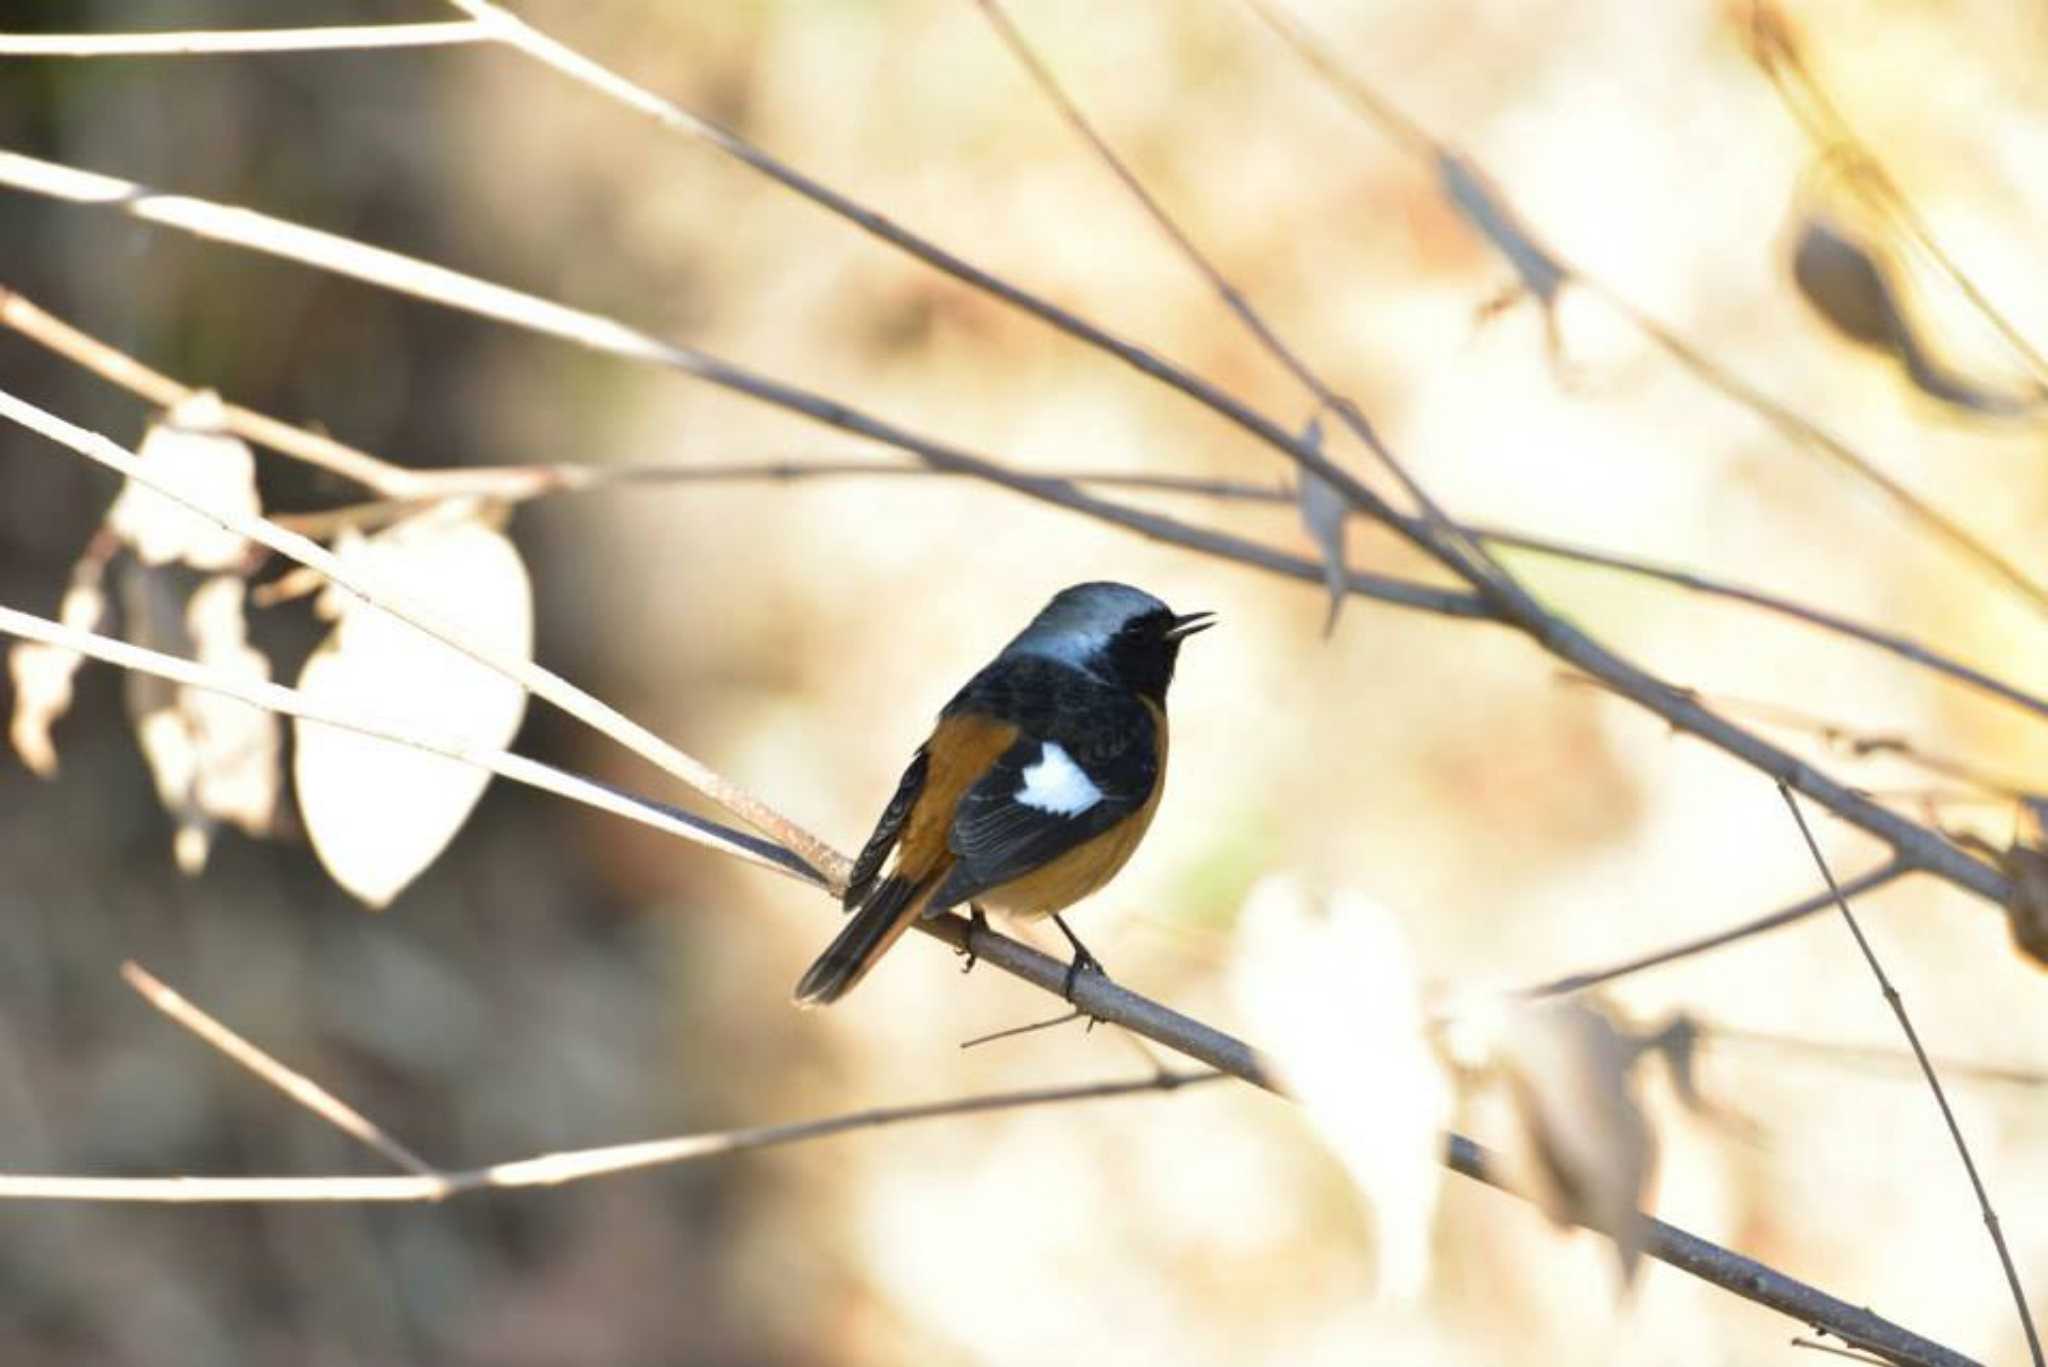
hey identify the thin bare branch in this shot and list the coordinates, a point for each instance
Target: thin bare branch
(406, 275)
(1800, 1341)
(675, 119)
(295, 1085)
(1888, 1060)
(1784, 916)
(1096, 995)
(1538, 263)
(192, 42)
(1850, 741)
(1375, 108)
(581, 69)
(1754, 1281)
(1809, 434)
(554, 1169)
(406, 490)
(521, 482)
(1109, 1001)
(1103, 998)
(1444, 539)
(1903, 646)
(1898, 1006)
(111, 364)
(292, 703)
(1858, 743)
(1926, 849)
(1438, 535)
(1745, 1277)
(1821, 119)
(1029, 1028)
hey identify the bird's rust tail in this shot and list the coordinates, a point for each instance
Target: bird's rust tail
(882, 918)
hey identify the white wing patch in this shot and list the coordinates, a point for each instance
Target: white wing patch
(1056, 784)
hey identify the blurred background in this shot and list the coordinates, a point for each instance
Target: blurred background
(560, 979)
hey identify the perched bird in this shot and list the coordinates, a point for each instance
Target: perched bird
(1034, 788)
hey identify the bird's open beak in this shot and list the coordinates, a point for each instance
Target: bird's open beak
(1190, 624)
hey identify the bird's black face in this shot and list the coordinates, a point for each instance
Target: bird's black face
(1142, 652)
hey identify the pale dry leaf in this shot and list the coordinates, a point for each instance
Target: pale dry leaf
(240, 746)
(380, 813)
(1323, 510)
(1332, 992)
(1580, 1147)
(190, 449)
(213, 758)
(43, 673)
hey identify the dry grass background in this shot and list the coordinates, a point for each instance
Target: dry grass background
(563, 980)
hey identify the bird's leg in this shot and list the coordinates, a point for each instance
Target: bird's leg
(1083, 959)
(978, 920)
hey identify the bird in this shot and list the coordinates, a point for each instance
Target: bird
(1034, 788)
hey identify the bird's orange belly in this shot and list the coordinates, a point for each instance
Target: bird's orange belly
(1057, 885)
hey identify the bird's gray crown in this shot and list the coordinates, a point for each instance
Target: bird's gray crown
(1080, 620)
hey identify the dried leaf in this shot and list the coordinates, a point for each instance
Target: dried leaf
(1537, 273)
(1323, 510)
(43, 673)
(213, 758)
(1845, 285)
(240, 746)
(1485, 208)
(1679, 1042)
(2026, 866)
(1332, 991)
(190, 449)
(1853, 284)
(379, 813)
(1580, 1148)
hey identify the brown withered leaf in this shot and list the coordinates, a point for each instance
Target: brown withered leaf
(190, 449)
(379, 813)
(214, 759)
(1854, 283)
(1482, 204)
(1538, 273)
(1580, 1147)
(1679, 1043)
(2026, 866)
(43, 673)
(1844, 284)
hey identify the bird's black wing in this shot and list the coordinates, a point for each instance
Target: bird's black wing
(1086, 757)
(869, 865)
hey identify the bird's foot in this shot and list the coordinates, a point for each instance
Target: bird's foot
(977, 923)
(1084, 962)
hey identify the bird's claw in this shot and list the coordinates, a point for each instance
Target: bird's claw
(977, 921)
(1084, 962)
